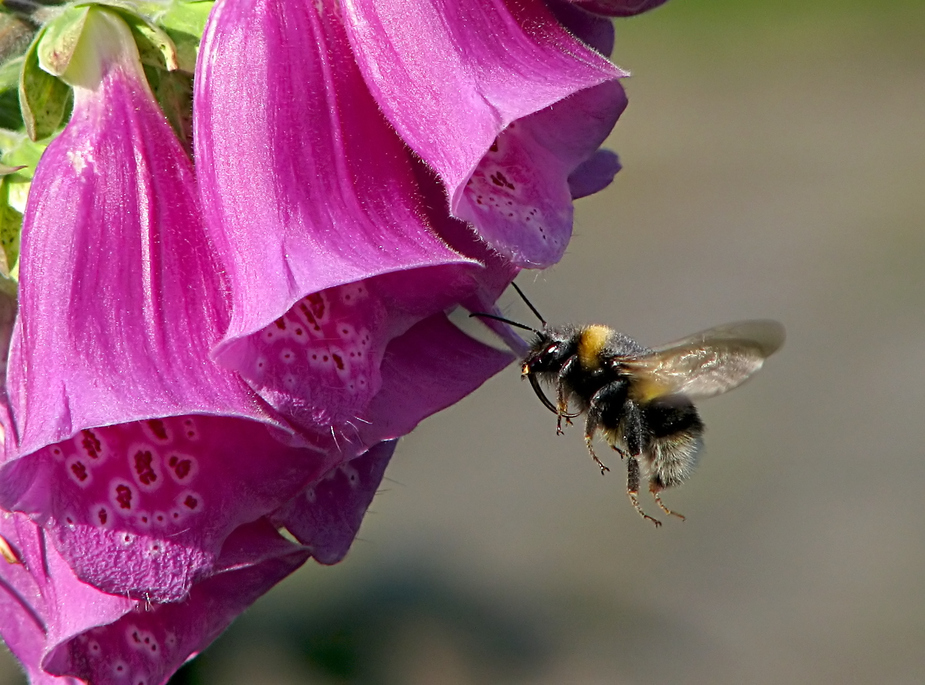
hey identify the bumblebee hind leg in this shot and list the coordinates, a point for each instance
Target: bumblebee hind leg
(656, 490)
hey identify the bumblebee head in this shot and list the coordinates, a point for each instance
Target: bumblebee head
(549, 350)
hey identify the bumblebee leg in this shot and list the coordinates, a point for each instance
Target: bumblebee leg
(656, 490)
(591, 426)
(562, 394)
(633, 431)
(632, 488)
(604, 468)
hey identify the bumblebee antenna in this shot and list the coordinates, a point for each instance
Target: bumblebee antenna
(503, 320)
(529, 303)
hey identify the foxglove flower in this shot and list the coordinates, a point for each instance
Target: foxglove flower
(500, 100)
(137, 454)
(324, 233)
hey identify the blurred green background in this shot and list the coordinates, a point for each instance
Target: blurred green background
(774, 166)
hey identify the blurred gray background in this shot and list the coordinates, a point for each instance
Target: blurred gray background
(774, 166)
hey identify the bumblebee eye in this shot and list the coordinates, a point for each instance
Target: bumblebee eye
(552, 349)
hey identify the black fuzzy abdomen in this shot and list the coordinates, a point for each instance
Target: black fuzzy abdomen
(670, 415)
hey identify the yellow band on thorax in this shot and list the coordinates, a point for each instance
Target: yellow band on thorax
(592, 342)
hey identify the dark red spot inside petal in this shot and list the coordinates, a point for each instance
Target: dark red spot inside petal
(181, 467)
(102, 516)
(146, 474)
(124, 496)
(158, 428)
(90, 443)
(280, 323)
(500, 180)
(317, 304)
(80, 471)
(338, 361)
(191, 502)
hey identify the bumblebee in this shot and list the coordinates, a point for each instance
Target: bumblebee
(641, 399)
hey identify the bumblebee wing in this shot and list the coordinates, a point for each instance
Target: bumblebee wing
(707, 363)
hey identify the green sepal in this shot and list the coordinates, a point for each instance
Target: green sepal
(21, 154)
(6, 170)
(155, 47)
(43, 98)
(184, 22)
(10, 113)
(9, 73)
(186, 17)
(174, 93)
(10, 229)
(57, 43)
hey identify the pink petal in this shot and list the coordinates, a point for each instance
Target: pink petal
(431, 367)
(327, 196)
(319, 362)
(42, 603)
(596, 31)
(142, 508)
(452, 74)
(594, 174)
(150, 643)
(327, 516)
(519, 196)
(497, 64)
(120, 296)
(57, 625)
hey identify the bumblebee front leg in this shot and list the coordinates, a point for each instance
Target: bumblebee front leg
(562, 394)
(632, 489)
